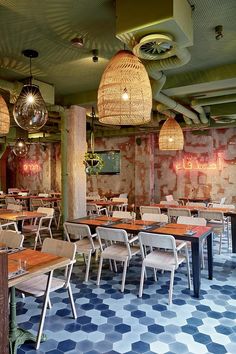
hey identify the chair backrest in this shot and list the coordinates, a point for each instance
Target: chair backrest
(190, 220)
(110, 235)
(149, 210)
(196, 204)
(178, 212)
(10, 200)
(94, 195)
(6, 225)
(222, 200)
(165, 202)
(23, 194)
(223, 206)
(169, 198)
(91, 209)
(1, 192)
(48, 211)
(43, 195)
(36, 202)
(59, 248)
(11, 238)
(14, 207)
(120, 200)
(211, 215)
(123, 214)
(123, 195)
(155, 217)
(76, 231)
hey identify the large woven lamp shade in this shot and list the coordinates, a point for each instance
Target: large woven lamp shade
(171, 136)
(4, 118)
(124, 94)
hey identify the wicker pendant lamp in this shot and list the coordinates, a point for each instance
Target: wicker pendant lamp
(4, 118)
(171, 136)
(124, 94)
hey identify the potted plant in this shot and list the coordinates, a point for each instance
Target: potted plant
(93, 163)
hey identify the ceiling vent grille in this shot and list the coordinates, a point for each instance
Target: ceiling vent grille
(155, 47)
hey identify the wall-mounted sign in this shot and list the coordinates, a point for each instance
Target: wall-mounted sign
(193, 163)
(30, 167)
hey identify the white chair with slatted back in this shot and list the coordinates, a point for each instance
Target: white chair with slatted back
(163, 255)
(165, 202)
(216, 220)
(123, 195)
(86, 243)
(14, 207)
(173, 213)
(12, 239)
(169, 198)
(155, 217)
(149, 210)
(10, 200)
(9, 225)
(39, 286)
(123, 214)
(227, 218)
(196, 204)
(35, 203)
(123, 204)
(95, 210)
(41, 225)
(115, 245)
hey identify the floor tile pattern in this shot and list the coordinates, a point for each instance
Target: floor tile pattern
(111, 322)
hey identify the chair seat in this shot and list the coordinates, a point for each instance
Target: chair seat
(119, 252)
(37, 285)
(84, 245)
(162, 260)
(33, 228)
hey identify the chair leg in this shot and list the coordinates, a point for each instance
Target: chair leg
(155, 274)
(143, 270)
(221, 235)
(72, 301)
(99, 270)
(50, 232)
(115, 266)
(124, 275)
(88, 266)
(43, 314)
(172, 275)
(49, 303)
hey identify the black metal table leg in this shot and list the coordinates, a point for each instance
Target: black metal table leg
(196, 267)
(210, 256)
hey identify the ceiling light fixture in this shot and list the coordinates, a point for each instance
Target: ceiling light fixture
(219, 32)
(171, 136)
(95, 55)
(124, 94)
(77, 42)
(20, 148)
(30, 111)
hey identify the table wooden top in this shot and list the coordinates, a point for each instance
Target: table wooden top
(182, 230)
(105, 203)
(193, 208)
(20, 215)
(37, 263)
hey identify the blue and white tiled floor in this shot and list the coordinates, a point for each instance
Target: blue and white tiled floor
(111, 322)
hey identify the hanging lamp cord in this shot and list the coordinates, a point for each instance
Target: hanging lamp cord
(92, 130)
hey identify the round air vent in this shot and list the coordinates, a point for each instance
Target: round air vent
(154, 47)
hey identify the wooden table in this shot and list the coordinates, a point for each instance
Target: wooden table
(205, 200)
(194, 210)
(177, 230)
(20, 216)
(37, 263)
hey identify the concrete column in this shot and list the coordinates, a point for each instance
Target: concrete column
(76, 148)
(144, 169)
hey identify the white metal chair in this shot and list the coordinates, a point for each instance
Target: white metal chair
(35, 203)
(164, 255)
(123, 214)
(123, 204)
(165, 202)
(216, 220)
(39, 226)
(94, 195)
(94, 209)
(86, 243)
(11, 200)
(115, 245)
(123, 195)
(196, 204)
(12, 239)
(169, 198)
(155, 217)
(7, 225)
(15, 207)
(173, 213)
(149, 210)
(39, 285)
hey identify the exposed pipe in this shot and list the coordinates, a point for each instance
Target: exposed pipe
(214, 100)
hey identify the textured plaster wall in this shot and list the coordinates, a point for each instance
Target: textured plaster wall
(48, 176)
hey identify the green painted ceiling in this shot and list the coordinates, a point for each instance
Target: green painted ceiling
(48, 27)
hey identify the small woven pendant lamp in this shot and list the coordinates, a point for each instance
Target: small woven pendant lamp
(4, 118)
(124, 94)
(171, 136)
